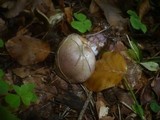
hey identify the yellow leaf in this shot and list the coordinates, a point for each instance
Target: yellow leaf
(108, 73)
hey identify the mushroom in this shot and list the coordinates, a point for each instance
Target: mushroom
(75, 60)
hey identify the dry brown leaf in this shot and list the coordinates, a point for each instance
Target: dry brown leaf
(27, 50)
(16, 6)
(47, 8)
(68, 12)
(112, 14)
(93, 8)
(108, 73)
(108, 118)
(146, 94)
(156, 86)
(134, 74)
(22, 72)
(2, 25)
(144, 8)
(101, 107)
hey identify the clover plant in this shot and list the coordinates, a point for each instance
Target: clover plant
(136, 21)
(14, 96)
(81, 23)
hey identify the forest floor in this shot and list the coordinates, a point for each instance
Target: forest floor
(124, 36)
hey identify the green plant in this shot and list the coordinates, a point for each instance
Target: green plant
(15, 96)
(1, 43)
(136, 21)
(6, 114)
(81, 23)
(155, 107)
(136, 54)
(136, 107)
(134, 51)
(24, 93)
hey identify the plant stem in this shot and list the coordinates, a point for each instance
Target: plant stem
(141, 115)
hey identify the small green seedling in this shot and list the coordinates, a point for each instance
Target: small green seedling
(150, 65)
(22, 94)
(135, 53)
(136, 21)
(136, 107)
(155, 107)
(81, 23)
(6, 114)
(1, 43)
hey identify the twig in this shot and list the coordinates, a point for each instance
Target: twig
(119, 112)
(85, 106)
(98, 32)
(127, 106)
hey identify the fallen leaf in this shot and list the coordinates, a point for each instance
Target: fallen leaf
(22, 72)
(46, 7)
(112, 14)
(108, 118)
(108, 73)
(156, 87)
(144, 7)
(118, 47)
(101, 107)
(68, 12)
(2, 25)
(117, 95)
(27, 50)
(134, 74)
(14, 8)
(146, 95)
(93, 8)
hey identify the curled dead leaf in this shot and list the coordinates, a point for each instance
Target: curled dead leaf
(27, 50)
(108, 73)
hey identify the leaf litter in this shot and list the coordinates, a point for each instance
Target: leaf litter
(31, 32)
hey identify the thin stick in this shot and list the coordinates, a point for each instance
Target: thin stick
(85, 106)
(119, 112)
(98, 32)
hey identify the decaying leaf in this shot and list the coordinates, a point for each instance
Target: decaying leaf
(146, 94)
(27, 50)
(68, 13)
(144, 7)
(156, 86)
(134, 74)
(108, 73)
(22, 72)
(93, 8)
(101, 107)
(47, 13)
(16, 6)
(112, 14)
(2, 25)
(117, 95)
(46, 7)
